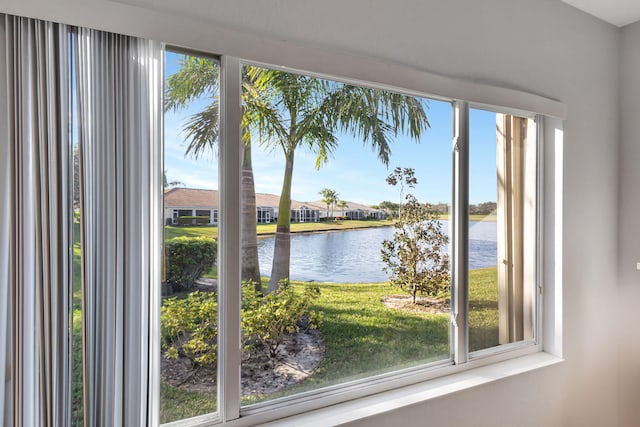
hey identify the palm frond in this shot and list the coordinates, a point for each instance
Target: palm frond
(375, 116)
(202, 130)
(196, 77)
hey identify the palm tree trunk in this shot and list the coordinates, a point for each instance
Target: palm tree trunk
(282, 246)
(249, 244)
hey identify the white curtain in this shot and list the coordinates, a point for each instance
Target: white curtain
(35, 224)
(119, 85)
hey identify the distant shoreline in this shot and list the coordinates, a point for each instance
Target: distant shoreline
(265, 230)
(268, 230)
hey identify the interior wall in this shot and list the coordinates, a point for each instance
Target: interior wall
(539, 46)
(629, 226)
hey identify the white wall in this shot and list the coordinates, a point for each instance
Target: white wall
(629, 226)
(539, 46)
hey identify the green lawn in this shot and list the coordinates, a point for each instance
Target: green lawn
(270, 229)
(304, 227)
(475, 217)
(363, 337)
(489, 218)
(76, 386)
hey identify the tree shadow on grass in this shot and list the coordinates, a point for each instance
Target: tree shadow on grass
(360, 342)
(483, 305)
(482, 337)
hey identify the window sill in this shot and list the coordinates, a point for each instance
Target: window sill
(405, 396)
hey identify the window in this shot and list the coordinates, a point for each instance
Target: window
(189, 309)
(502, 224)
(406, 241)
(326, 222)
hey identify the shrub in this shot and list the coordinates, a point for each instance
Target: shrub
(415, 258)
(190, 328)
(187, 258)
(192, 220)
(190, 325)
(267, 319)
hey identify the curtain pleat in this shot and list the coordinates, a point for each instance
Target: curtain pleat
(119, 102)
(36, 224)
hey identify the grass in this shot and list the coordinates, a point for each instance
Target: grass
(475, 217)
(177, 404)
(302, 227)
(483, 308)
(270, 229)
(490, 218)
(76, 385)
(77, 416)
(363, 337)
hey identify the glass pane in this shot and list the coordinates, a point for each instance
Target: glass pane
(501, 229)
(77, 375)
(320, 204)
(189, 313)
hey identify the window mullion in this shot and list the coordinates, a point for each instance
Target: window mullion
(460, 233)
(229, 350)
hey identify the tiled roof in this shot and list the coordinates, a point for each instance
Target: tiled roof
(268, 200)
(196, 198)
(351, 206)
(191, 197)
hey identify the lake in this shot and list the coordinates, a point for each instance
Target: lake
(354, 256)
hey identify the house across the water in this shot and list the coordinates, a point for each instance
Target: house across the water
(188, 206)
(351, 210)
(195, 206)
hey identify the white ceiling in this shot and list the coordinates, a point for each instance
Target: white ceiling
(616, 12)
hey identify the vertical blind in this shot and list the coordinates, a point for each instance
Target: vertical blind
(119, 108)
(119, 93)
(35, 203)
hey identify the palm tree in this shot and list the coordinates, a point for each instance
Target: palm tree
(342, 204)
(329, 198)
(197, 78)
(166, 184)
(311, 112)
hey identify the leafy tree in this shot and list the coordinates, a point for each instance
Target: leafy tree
(485, 208)
(402, 177)
(310, 113)
(391, 208)
(440, 208)
(289, 111)
(329, 198)
(415, 258)
(198, 78)
(342, 204)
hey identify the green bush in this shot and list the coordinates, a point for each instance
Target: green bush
(190, 328)
(190, 325)
(193, 220)
(187, 258)
(267, 319)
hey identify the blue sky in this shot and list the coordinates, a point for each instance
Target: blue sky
(354, 171)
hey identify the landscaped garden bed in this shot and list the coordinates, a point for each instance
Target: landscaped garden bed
(361, 336)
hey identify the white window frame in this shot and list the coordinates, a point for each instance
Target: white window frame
(229, 359)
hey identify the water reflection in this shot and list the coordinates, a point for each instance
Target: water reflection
(354, 256)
